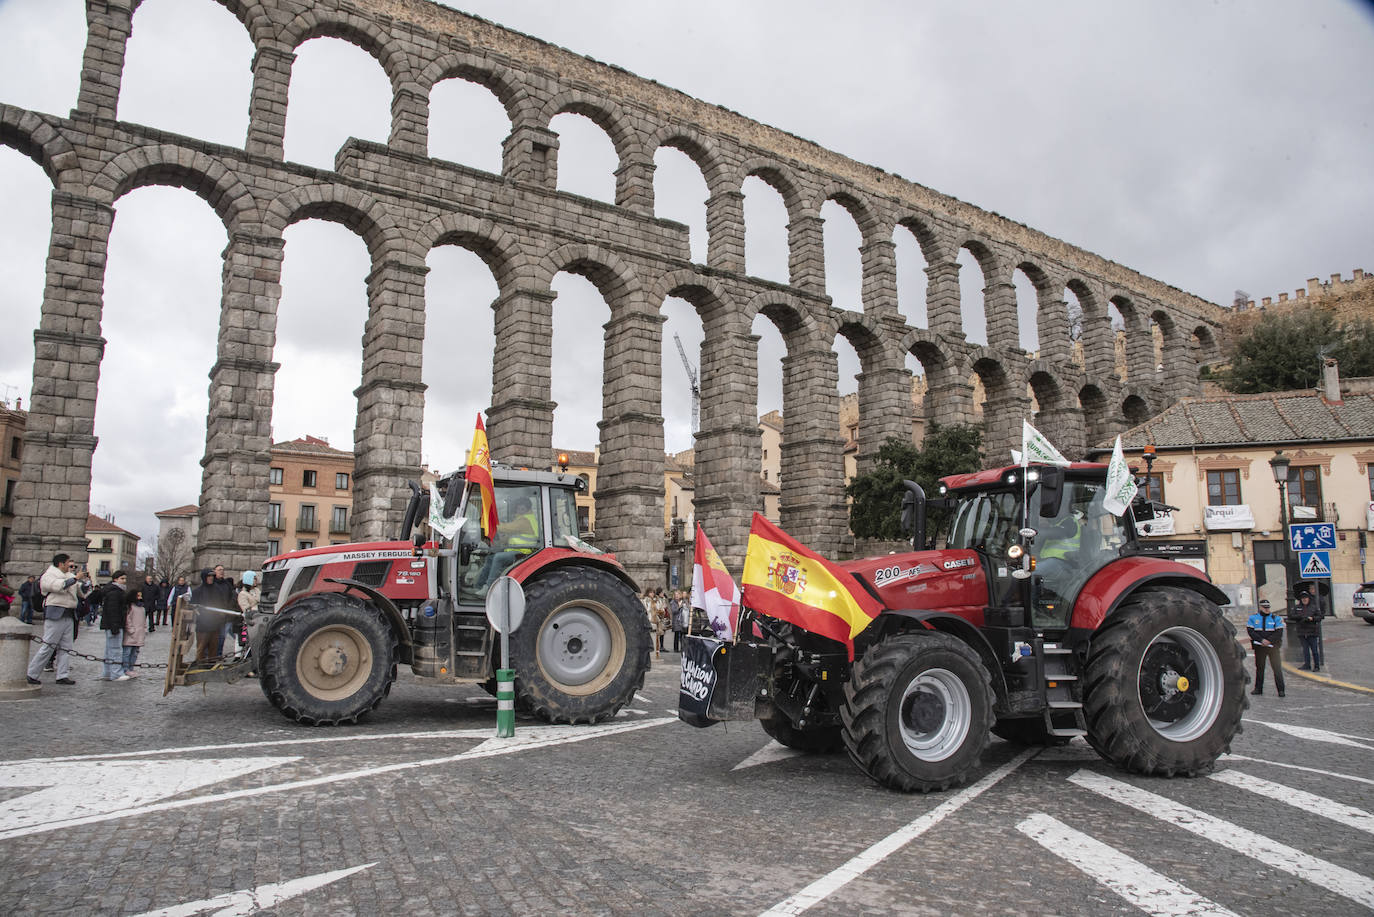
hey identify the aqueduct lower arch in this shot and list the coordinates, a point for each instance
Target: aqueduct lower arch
(402, 203)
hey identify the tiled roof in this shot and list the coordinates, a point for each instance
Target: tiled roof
(95, 524)
(1272, 417)
(312, 445)
(190, 509)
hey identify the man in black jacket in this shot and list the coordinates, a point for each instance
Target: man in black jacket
(212, 598)
(1307, 620)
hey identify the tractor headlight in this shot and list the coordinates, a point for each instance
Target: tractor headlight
(1015, 552)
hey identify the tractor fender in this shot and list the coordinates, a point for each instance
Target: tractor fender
(949, 623)
(387, 607)
(551, 558)
(1109, 587)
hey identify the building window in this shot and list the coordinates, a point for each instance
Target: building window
(274, 476)
(106, 544)
(16, 447)
(308, 478)
(1371, 480)
(306, 521)
(274, 516)
(341, 481)
(303, 545)
(338, 519)
(1154, 488)
(1223, 488)
(104, 568)
(8, 508)
(1305, 487)
(273, 547)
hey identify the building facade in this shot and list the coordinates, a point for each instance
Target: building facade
(12, 423)
(311, 495)
(109, 548)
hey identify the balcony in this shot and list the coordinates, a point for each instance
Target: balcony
(338, 526)
(274, 523)
(307, 524)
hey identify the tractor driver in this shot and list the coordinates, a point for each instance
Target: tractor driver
(516, 537)
(1062, 540)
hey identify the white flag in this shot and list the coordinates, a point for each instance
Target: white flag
(1120, 483)
(446, 526)
(1035, 448)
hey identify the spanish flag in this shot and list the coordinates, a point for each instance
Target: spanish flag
(479, 473)
(784, 580)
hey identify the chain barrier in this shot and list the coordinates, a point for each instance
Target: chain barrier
(213, 662)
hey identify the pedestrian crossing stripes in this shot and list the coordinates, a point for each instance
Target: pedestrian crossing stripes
(1131, 879)
(1355, 818)
(1336, 879)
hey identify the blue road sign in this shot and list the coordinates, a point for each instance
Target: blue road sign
(1312, 536)
(1314, 564)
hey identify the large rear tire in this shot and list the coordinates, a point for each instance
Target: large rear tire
(917, 712)
(581, 652)
(1164, 684)
(329, 659)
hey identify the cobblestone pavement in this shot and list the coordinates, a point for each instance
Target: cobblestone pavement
(116, 800)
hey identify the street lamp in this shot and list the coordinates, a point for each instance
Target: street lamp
(1279, 463)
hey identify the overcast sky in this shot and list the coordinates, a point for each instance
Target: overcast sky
(1216, 147)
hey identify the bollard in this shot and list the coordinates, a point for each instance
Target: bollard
(14, 659)
(505, 703)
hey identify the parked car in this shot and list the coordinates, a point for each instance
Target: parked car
(1362, 605)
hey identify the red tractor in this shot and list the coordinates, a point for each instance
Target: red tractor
(1042, 618)
(334, 622)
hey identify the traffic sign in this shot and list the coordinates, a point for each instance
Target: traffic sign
(1312, 536)
(1315, 564)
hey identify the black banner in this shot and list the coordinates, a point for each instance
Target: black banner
(698, 680)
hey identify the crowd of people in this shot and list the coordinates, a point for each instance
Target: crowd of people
(128, 613)
(668, 612)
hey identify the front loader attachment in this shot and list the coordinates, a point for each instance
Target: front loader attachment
(724, 681)
(182, 667)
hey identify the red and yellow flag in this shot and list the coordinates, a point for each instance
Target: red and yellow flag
(785, 580)
(479, 473)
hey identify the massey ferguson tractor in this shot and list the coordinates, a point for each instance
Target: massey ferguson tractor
(334, 622)
(1042, 618)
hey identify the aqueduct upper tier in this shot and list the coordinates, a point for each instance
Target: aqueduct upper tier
(403, 203)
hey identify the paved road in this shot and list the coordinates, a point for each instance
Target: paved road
(115, 800)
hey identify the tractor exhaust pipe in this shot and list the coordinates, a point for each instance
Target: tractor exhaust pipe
(914, 514)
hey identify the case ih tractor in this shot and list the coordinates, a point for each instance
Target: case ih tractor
(1042, 618)
(334, 622)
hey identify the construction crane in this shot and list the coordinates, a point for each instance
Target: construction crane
(692, 381)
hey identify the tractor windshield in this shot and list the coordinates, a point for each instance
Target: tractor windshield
(989, 522)
(519, 533)
(1070, 547)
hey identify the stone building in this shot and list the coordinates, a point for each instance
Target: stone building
(176, 538)
(403, 203)
(12, 423)
(109, 548)
(1345, 299)
(1213, 464)
(311, 496)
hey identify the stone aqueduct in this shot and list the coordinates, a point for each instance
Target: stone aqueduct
(403, 204)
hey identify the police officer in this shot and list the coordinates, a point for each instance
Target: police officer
(1266, 637)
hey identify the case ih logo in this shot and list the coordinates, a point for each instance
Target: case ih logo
(786, 575)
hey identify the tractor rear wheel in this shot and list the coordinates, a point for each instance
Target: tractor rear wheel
(583, 648)
(329, 659)
(1164, 684)
(822, 739)
(917, 712)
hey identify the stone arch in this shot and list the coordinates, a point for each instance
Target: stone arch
(1135, 409)
(922, 228)
(164, 164)
(1205, 347)
(505, 84)
(779, 178)
(884, 402)
(706, 294)
(998, 297)
(1059, 417)
(605, 114)
(1005, 403)
(701, 149)
(1051, 312)
(254, 18)
(322, 22)
(864, 214)
(1096, 409)
(613, 278)
(348, 207)
(496, 245)
(34, 137)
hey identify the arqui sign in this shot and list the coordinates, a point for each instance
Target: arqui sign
(1234, 518)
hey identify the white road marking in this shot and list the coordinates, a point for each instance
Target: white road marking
(1148, 890)
(833, 881)
(773, 751)
(1350, 816)
(1318, 735)
(525, 739)
(251, 900)
(1301, 767)
(1233, 837)
(71, 793)
(304, 740)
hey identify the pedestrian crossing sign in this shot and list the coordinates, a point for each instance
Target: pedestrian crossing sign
(1315, 564)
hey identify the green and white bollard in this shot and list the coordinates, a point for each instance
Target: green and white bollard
(505, 703)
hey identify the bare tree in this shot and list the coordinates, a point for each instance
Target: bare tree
(174, 554)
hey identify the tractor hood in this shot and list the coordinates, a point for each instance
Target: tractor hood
(949, 580)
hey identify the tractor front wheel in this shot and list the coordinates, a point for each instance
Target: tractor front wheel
(1164, 684)
(582, 650)
(329, 659)
(917, 712)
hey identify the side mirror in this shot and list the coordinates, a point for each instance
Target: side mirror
(914, 513)
(1051, 491)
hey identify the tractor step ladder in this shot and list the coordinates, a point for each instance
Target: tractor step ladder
(471, 644)
(1060, 707)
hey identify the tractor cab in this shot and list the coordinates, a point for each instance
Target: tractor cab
(1041, 533)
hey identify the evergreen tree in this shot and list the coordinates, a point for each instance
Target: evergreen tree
(1285, 351)
(876, 511)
